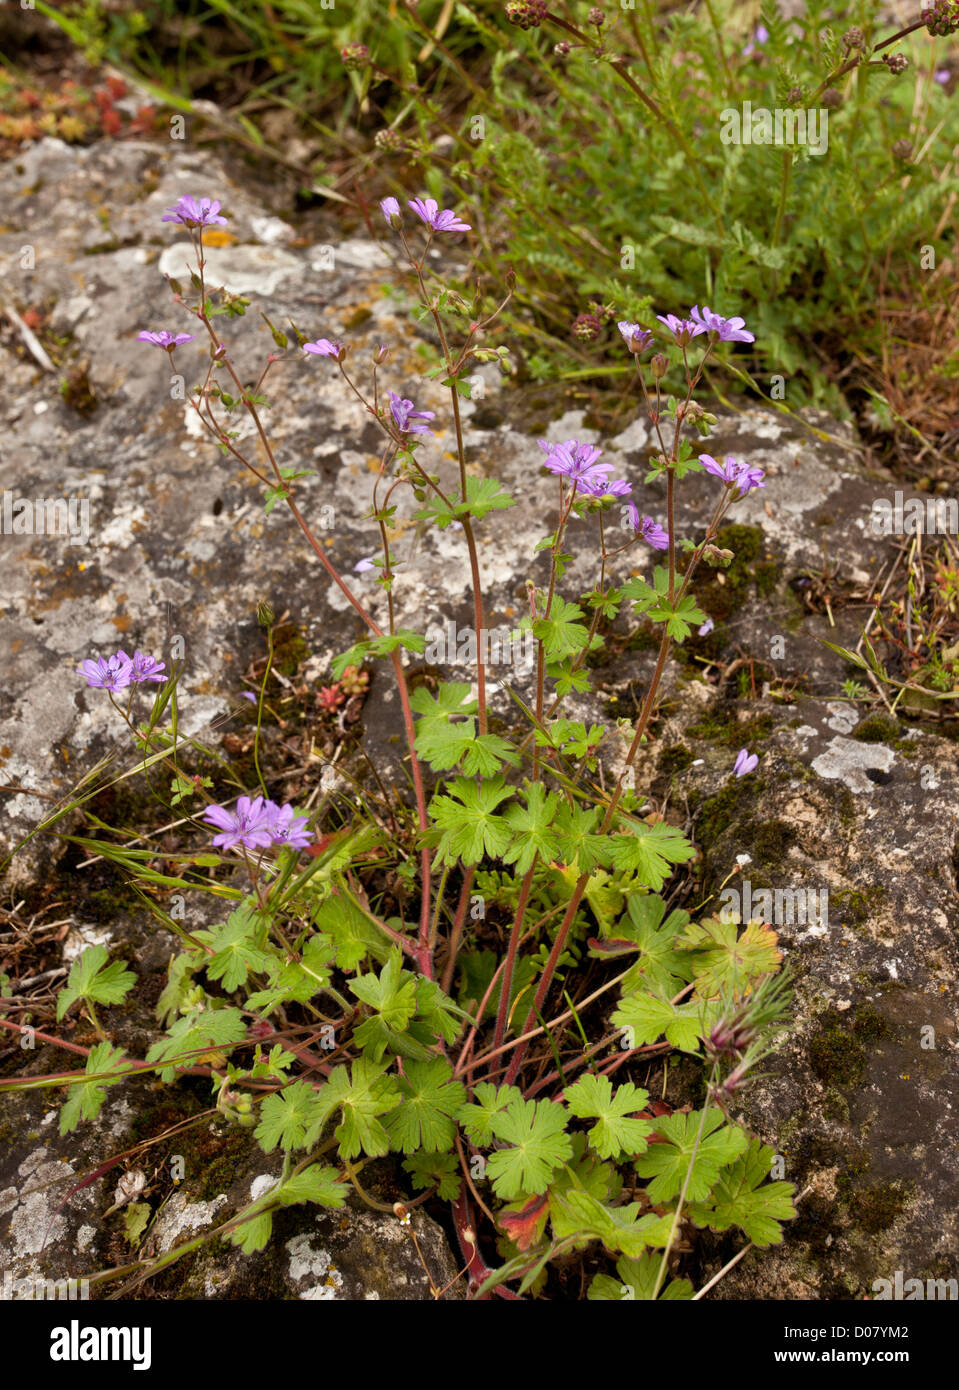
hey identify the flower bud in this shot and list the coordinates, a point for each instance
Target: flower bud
(718, 559)
(265, 615)
(355, 56)
(563, 48)
(831, 98)
(659, 365)
(596, 16)
(896, 62)
(855, 38)
(389, 140)
(586, 327)
(902, 149)
(381, 355)
(528, 14)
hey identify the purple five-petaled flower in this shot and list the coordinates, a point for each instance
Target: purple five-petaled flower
(578, 462)
(286, 827)
(195, 212)
(107, 673)
(745, 762)
(245, 826)
(407, 419)
(734, 473)
(257, 824)
(119, 671)
(365, 565)
(648, 529)
(165, 339)
(324, 347)
(728, 330)
(683, 330)
(446, 221)
(636, 337)
(390, 209)
(143, 668)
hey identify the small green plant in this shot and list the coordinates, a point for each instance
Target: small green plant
(321, 1012)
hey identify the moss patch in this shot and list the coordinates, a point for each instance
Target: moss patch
(836, 1055)
(878, 728)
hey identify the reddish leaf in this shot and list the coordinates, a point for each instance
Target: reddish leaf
(524, 1227)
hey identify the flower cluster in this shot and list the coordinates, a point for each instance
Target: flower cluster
(578, 462)
(119, 671)
(258, 824)
(941, 18)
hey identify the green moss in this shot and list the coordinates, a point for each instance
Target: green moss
(875, 1208)
(289, 650)
(674, 759)
(869, 1024)
(717, 812)
(722, 726)
(878, 728)
(773, 840)
(854, 906)
(836, 1056)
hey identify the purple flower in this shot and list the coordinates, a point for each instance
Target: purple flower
(636, 338)
(165, 339)
(247, 825)
(364, 565)
(745, 762)
(760, 36)
(942, 76)
(734, 473)
(195, 212)
(143, 668)
(706, 628)
(729, 330)
(391, 209)
(606, 487)
(107, 673)
(578, 462)
(445, 221)
(250, 695)
(285, 827)
(406, 417)
(649, 530)
(749, 478)
(729, 471)
(683, 330)
(323, 347)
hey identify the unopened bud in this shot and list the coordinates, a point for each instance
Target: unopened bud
(265, 615)
(831, 98)
(381, 355)
(355, 56)
(659, 365)
(716, 558)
